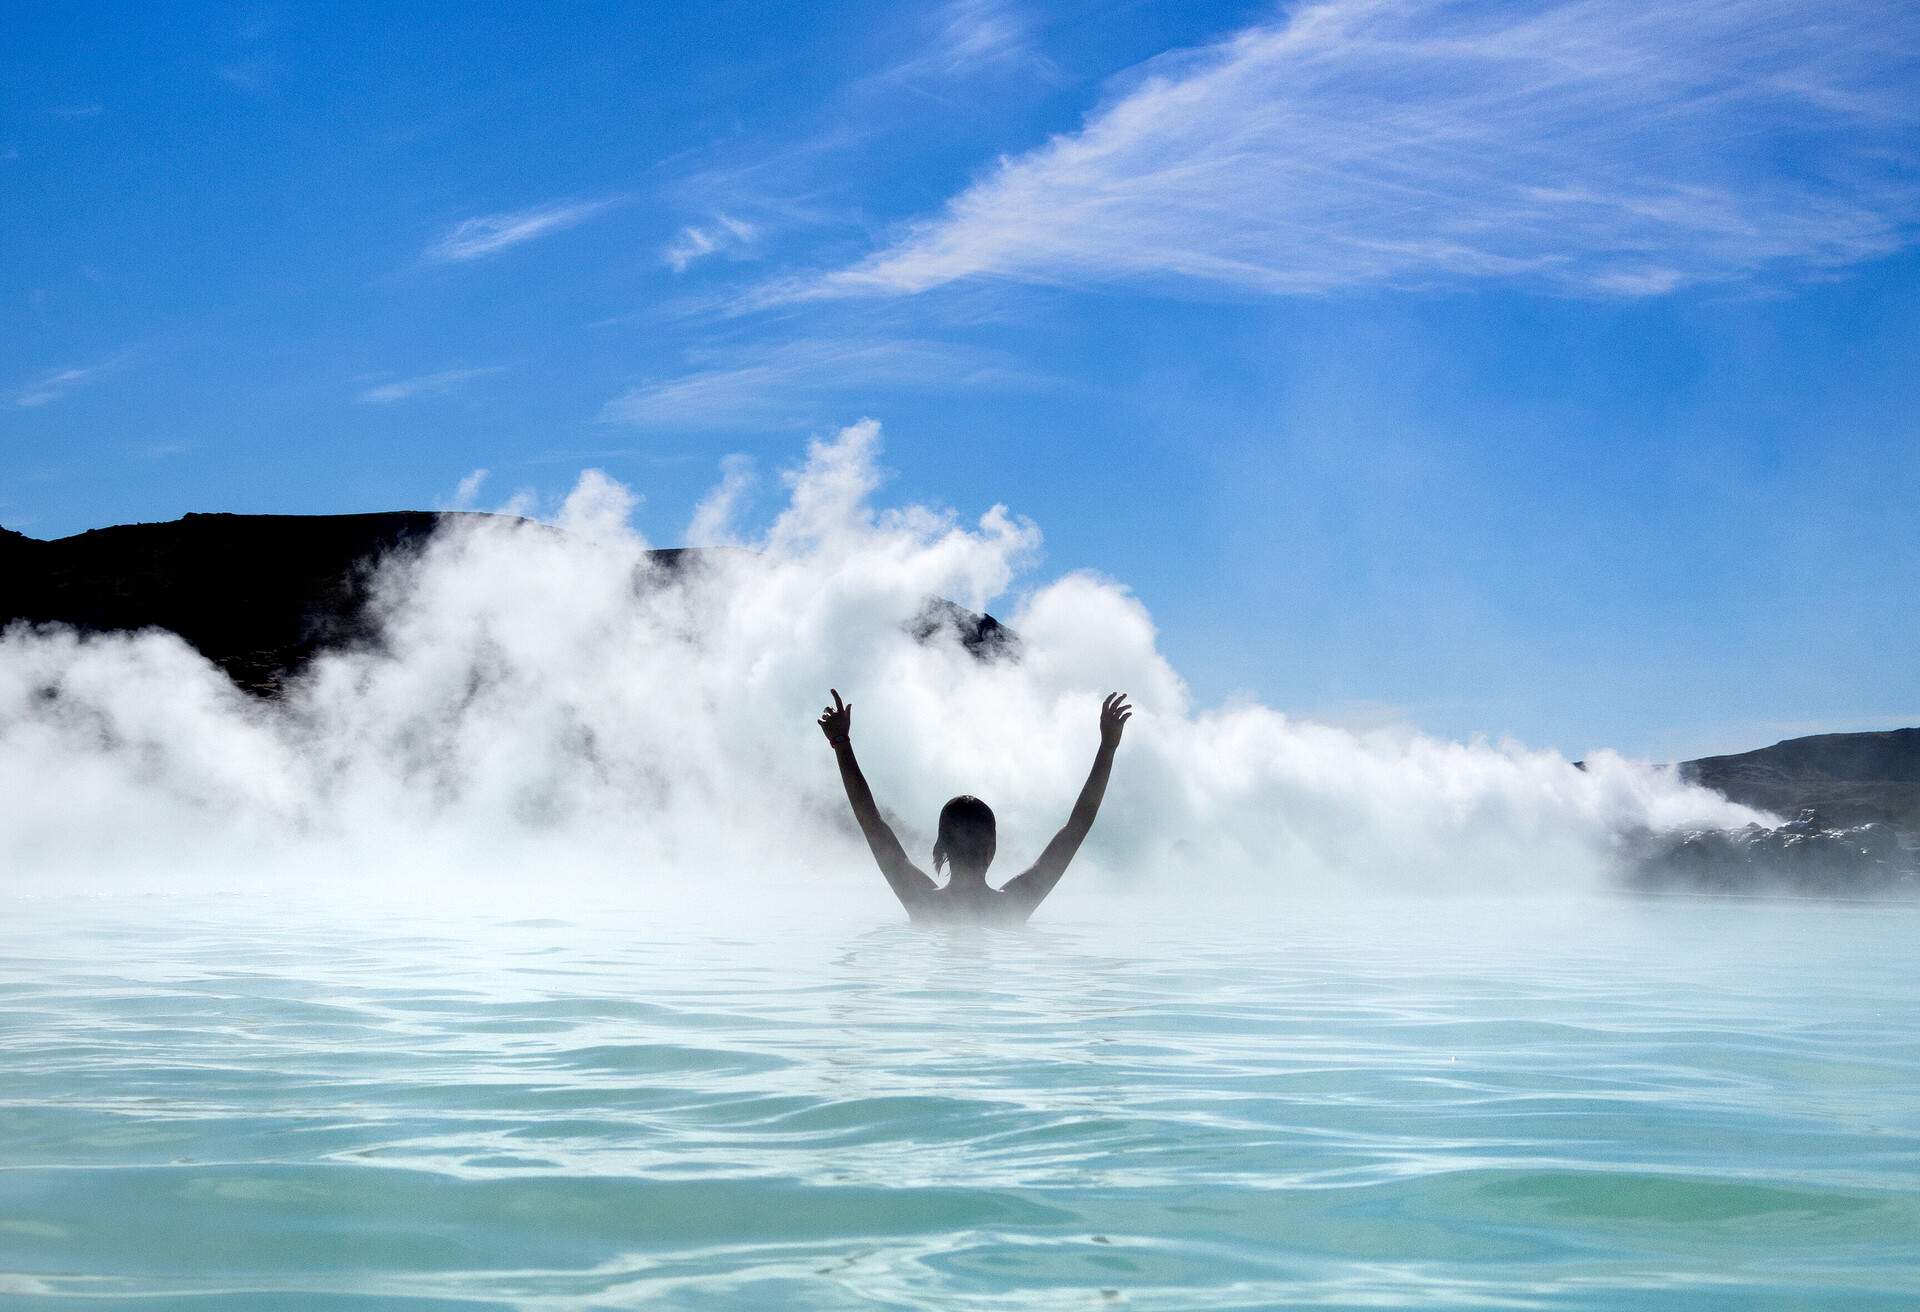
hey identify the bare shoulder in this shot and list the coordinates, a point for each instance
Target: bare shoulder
(1014, 902)
(913, 881)
(1026, 888)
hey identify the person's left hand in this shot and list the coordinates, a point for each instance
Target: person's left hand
(1114, 713)
(836, 722)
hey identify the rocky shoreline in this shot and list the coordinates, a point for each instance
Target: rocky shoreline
(1805, 856)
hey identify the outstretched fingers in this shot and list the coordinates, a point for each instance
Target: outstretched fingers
(835, 720)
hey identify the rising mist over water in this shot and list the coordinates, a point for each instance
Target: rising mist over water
(548, 706)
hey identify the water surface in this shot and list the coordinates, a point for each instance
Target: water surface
(236, 1104)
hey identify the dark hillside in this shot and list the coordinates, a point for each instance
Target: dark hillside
(261, 595)
(1847, 778)
(258, 595)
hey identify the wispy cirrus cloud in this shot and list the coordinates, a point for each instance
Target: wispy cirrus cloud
(1586, 145)
(489, 234)
(255, 75)
(405, 389)
(57, 383)
(966, 36)
(697, 241)
(788, 383)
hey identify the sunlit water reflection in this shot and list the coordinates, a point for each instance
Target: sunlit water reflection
(1673, 1105)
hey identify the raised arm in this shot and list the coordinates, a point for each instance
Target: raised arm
(908, 881)
(1038, 881)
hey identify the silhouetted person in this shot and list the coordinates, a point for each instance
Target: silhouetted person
(967, 840)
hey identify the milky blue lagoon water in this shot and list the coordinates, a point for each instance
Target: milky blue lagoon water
(246, 1104)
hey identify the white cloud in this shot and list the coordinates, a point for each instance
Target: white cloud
(967, 36)
(1591, 146)
(489, 234)
(52, 386)
(404, 389)
(786, 383)
(694, 243)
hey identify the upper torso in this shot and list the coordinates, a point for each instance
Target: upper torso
(976, 905)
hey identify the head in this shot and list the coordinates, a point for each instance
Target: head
(967, 837)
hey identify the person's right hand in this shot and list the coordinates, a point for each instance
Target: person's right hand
(836, 722)
(1114, 713)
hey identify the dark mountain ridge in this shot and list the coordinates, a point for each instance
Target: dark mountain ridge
(258, 595)
(1847, 778)
(261, 595)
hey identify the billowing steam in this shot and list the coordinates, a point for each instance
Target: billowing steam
(533, 716)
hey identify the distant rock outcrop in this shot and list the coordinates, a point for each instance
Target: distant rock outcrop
(261, 595)
(1802, 856)
(983, 635)
(1855, 799)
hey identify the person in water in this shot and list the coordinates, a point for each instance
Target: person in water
(967, 839)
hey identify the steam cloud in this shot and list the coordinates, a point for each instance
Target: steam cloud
(534, 717)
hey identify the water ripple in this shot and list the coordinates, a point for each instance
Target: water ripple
(202, 1107)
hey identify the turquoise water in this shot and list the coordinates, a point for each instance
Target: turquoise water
(1662, 1105)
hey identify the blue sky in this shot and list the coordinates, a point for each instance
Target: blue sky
(1543, 370)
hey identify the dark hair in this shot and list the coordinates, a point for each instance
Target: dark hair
(966, 833)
